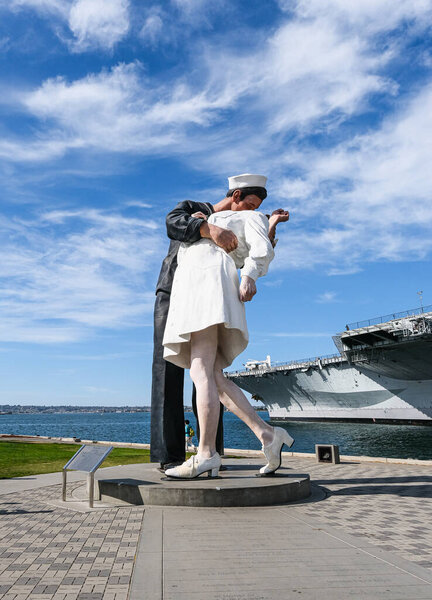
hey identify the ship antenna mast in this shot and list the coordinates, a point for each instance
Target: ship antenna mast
(420, 293)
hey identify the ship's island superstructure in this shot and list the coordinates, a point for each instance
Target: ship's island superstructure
(382, 373)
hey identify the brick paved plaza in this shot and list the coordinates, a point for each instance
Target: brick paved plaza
(390, 505)
(48, 552)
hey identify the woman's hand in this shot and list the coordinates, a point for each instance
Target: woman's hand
(279, 216)
(247, 289)
(200, 215)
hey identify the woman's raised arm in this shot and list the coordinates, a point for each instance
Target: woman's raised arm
(261, 252)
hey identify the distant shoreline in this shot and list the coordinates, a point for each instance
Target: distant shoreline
(19, 409)
(61, 410)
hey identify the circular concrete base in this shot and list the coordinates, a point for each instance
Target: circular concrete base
(237, 486)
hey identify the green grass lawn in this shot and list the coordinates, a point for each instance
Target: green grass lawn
(18, 459)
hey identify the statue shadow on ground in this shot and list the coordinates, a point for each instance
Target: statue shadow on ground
(23, 512)
(409, 491)
(130, 481)
(375, 480)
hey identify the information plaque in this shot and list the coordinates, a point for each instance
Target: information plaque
(87, 459)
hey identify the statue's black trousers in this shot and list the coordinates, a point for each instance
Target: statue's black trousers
(167, 431)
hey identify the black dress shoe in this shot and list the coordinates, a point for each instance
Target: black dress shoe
(171, 465)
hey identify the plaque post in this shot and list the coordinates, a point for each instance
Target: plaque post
(64, 485)
(90, 484)
(87, 459)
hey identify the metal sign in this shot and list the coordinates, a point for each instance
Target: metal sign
(87, 459)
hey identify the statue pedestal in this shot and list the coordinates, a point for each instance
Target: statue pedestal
(237, 486)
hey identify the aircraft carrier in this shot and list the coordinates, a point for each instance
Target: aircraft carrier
(382, 373)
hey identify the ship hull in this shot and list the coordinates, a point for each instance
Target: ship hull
(340, 392)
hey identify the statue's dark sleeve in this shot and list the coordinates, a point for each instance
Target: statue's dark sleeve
(181, 226)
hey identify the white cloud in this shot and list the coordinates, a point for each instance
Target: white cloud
(121, 110)
(97, 217)
(177, 22)
(98, 22)
(316, 72)
(190, 6)
(66, 274)
(386, 212)
(93, 23)
(356, 197)
(309, 76)
(327, 297)
(27, 330)
(294, 187)
(269, 282)
(37, 150)
(113, 111)
(49, 7)
(5, 43)
(198, 12)
(153, 29)
(391, 163)
(370, 16)
(138, 203)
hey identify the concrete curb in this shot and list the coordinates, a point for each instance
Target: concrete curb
(4, 437)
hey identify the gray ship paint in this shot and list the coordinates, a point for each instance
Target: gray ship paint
(382, 374)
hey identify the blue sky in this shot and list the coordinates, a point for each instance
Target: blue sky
(112, 111)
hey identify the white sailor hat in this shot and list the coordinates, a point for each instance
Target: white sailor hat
(246, 180)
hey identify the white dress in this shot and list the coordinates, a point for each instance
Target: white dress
(205, 289)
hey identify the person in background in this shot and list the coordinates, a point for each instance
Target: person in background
(189, 433)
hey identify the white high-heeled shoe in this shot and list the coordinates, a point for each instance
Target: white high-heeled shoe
(193, 467)
(273, 451)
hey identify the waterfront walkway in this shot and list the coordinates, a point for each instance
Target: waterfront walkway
(365, 533)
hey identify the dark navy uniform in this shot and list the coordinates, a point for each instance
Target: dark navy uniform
(167, 416)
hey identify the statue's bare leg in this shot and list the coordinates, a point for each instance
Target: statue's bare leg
(203, 355)
(235, 401)
(272, 438)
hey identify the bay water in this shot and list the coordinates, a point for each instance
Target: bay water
(391, 441)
